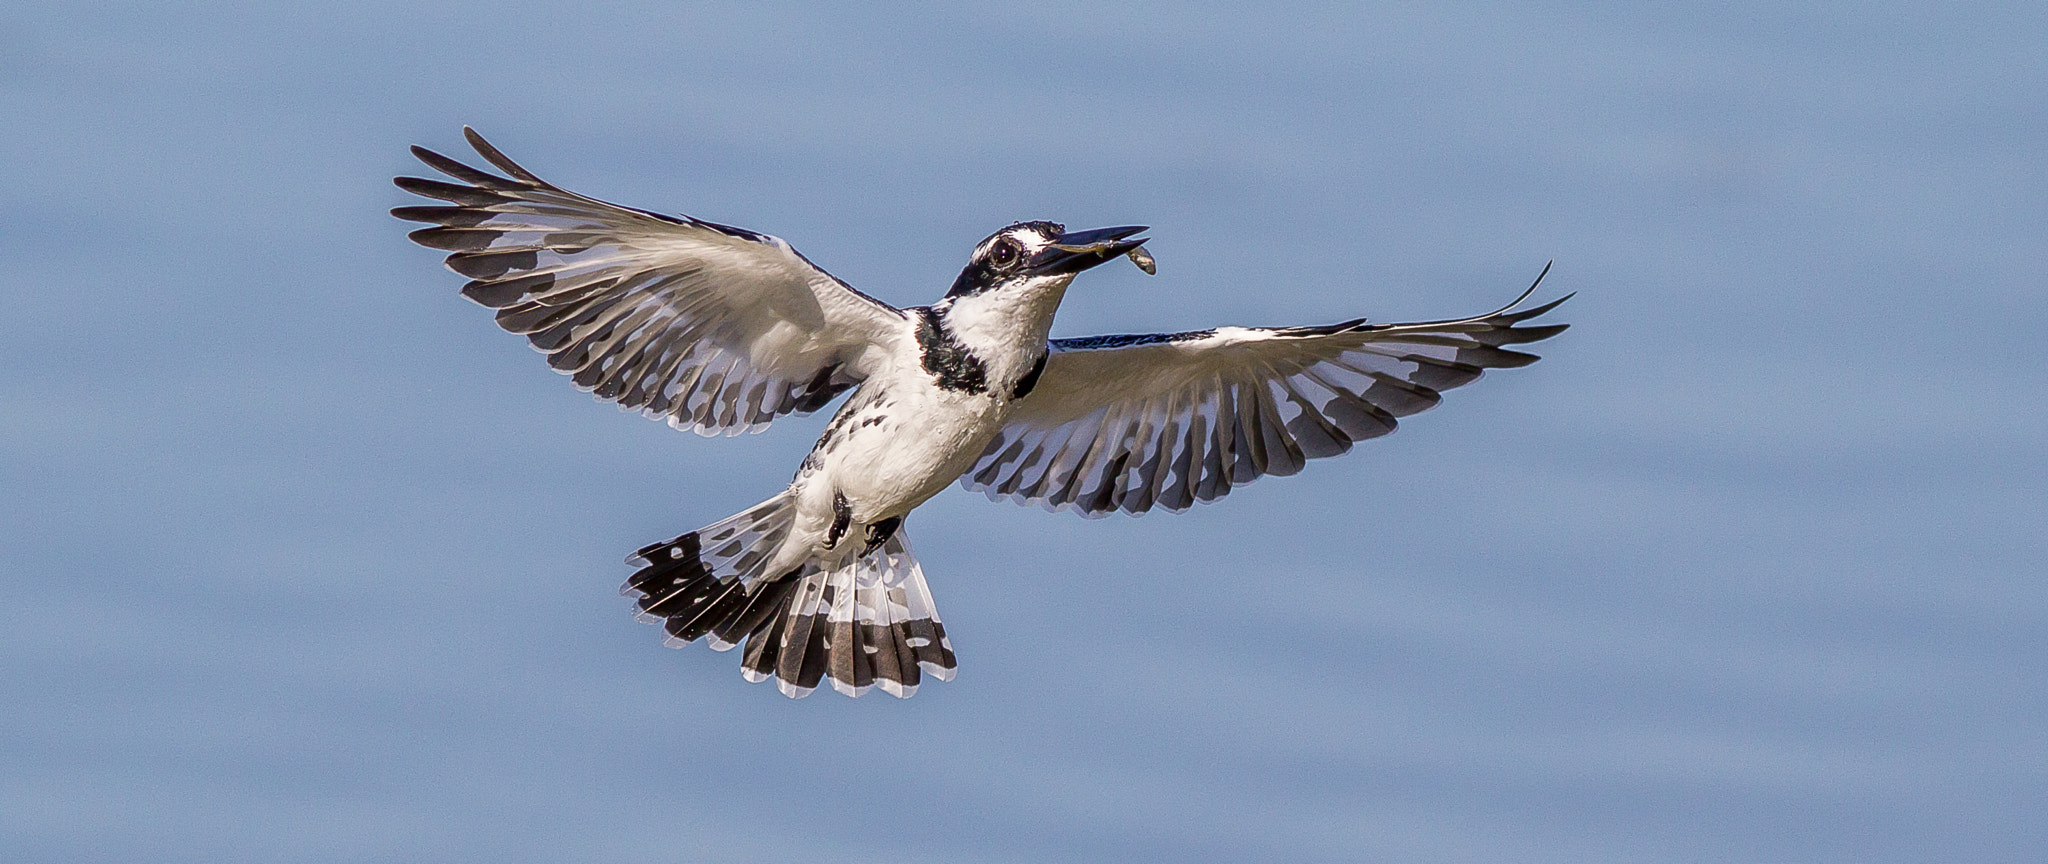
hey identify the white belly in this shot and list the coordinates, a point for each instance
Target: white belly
(896, 452)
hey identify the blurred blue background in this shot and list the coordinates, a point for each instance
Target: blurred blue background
(306, 561)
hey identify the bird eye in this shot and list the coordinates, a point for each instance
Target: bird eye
(1005, 252)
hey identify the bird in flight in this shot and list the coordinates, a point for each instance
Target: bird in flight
(720, 330)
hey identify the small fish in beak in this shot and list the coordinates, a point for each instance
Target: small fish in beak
(1143, 259)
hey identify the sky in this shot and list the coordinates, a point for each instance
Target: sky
(304, 560)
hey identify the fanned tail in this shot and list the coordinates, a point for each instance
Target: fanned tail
(713, 580)
(868, 623)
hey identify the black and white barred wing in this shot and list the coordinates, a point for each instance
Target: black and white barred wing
(714, 328)
(1132, 422)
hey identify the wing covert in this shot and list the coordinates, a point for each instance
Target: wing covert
(1132, 422)
(714, 328)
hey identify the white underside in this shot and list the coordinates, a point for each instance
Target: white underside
(892, 455)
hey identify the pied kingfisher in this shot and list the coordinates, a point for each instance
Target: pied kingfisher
(719, 329)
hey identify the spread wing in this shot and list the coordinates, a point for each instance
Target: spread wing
(715, 328)
(1168, 419)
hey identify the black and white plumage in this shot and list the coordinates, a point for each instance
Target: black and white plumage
(720, 330)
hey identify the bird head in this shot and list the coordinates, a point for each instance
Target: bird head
(1036, 255)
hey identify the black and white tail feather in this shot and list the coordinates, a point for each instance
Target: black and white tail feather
(868, 623)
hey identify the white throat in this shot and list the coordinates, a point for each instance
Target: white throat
(1007, 326)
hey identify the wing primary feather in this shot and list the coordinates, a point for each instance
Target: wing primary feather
(1315, 436)
(454, 217)
(1502, 311)
(463, 172)
(455, 239)
(468, 196)
(504, 163)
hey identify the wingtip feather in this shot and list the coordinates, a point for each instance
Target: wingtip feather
(483, 148)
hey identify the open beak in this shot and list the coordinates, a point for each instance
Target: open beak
(1076, 251)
